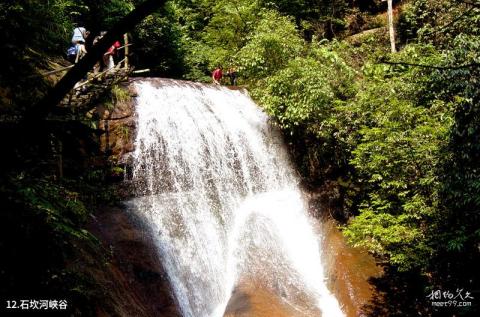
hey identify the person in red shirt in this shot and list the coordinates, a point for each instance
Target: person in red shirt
(108, 56)
(217, 75)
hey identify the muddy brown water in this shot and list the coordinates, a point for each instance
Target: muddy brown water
(349, 270)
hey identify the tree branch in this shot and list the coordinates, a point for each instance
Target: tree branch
(430, 66)
(473, 4)
(455, 20)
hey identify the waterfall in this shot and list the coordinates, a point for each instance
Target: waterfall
(215, 184)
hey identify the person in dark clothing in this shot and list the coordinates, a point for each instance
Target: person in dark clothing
(232, 74)
(99, 66)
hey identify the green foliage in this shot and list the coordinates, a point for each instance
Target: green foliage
(59, 208)
(229, 26)
(30, 28)
(393, 125)
(42, 233)
(308, 89)
(265, 51)
(405, 135)
(158, 46)
(107, 12)
(120, 94)
(397, 157)
(240, 33)
(386, 125)
(397, 238)
(40, 25)
(439, 21)
(213, 32)
(322, 18)
(454, 29)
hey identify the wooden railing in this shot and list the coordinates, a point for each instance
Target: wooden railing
(125, 60)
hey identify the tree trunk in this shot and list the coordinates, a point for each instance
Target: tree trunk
(65, 85)
(390, 26)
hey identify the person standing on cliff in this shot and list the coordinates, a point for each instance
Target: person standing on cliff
(78, 39)
(217, 75)
(232, 74)
(108, 56)
(79, 35)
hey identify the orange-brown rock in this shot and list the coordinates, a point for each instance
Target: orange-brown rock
(133, 280)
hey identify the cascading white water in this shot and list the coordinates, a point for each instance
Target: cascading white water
(215, 185)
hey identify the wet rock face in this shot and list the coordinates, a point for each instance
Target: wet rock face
(134, 280)
(350, 271)
(252, 300)
(118, 122)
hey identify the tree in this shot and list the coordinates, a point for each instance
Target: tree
(391, 30)
(267, 52)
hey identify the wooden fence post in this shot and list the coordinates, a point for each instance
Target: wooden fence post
(125, 40)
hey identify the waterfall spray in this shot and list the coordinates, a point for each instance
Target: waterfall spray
(216, 186)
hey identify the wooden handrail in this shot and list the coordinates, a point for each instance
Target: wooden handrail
(70, 66)
(120, 63)
(141, 71)
(124, 46)
(100, 74)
